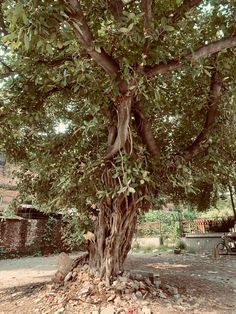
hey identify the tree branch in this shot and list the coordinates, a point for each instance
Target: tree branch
(116, 7)
(145, 131)
(206, 50)
(147, 9)
(55, 62)
(212, 112)
(82, 31)
(182, 9)
(224, 43)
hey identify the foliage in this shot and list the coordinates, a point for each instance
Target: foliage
(181, 245)
(157, 77)
(74, 228)
(148, 231)
(48, 233)
(7, 212)
(169, 220)
(169, 223)
(37, 254)
(223, 209)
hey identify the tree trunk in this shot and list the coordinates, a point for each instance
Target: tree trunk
(113, 236)
(117, 217)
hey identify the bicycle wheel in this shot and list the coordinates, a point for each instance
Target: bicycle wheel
(222, 249)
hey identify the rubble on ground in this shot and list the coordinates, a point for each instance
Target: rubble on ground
(81, 291)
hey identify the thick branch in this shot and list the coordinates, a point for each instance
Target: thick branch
(116, 7)
(123, 120)
(206, 50)
(212, 112)
(224, 43)
(82, 31)
(145, 131)
(147, 9)
(182, 9)
(55, 62)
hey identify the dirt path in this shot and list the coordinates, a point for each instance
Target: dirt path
(205, 285)
(27, 270)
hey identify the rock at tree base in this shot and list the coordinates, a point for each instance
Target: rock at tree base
(146, 310)
(108, 310)
(129, 292)
(64, 267)
(68, 276)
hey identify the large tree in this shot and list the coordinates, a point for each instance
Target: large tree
(145, 91)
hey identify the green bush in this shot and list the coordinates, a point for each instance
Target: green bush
(169, 223)
(223, 209)
(181, 245)
(75, 225)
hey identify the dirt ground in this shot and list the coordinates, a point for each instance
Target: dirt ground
(205, 285)
(27, 270)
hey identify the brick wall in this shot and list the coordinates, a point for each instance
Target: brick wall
(23, 237)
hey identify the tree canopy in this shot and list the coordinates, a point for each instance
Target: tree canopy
(145, 91)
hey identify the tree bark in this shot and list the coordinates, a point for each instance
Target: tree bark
(123, 108)
(144, 129)
(113, 236)
(204, 51)
(212, 112)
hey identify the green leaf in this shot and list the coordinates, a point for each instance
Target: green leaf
(207, 72)
(19, 9)
(130, 26)
(124, 30)
(169, 28)
(98, 49)
(49, 49)
(131, 190)
(122, 190)
(39, 44)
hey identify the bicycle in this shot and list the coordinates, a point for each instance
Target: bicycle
(227, 244)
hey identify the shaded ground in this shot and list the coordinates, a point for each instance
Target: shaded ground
(205, 285)
(210, 282)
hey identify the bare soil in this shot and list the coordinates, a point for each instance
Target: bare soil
(205, 285)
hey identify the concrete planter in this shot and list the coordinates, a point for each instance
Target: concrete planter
(202, 242)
